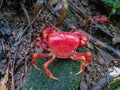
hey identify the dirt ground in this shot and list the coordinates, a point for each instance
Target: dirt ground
(17, 47)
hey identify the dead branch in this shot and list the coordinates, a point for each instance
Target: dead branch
(27, 15)
(1, 3)
(102, 45)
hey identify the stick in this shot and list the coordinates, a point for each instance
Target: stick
(28, 18)
(102, 45)
(1, 3)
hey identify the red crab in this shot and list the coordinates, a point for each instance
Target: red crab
(101, 19)
(62, 45)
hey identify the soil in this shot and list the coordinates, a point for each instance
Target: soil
(17, 48)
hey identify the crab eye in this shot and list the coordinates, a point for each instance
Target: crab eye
(83, 42)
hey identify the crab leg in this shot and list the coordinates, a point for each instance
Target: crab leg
(85, 57)
(42, 43)
(35, 56)
(48, 72)
(42, 46)
(88, 55)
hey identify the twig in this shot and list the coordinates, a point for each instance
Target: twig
(102, 29)
(12, 83)
(102, 45)
(12, 64)
(27, 15)
(28, 18)
(76, 9)
(1, 4)
(3, 46)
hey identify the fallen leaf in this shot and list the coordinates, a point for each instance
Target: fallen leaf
(115, 72)
(3, 81)
(86, 22)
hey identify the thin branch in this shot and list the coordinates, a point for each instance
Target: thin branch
(27, 15)
(28, 18)
(1, 4)
(102, 45)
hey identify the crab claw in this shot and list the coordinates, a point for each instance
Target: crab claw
(47, 71)
(35, 66)
(53, 77)
(79, 72)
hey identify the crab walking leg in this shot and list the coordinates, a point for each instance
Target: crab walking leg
(42, 41)
(85, 57)
(42, 46)
(48, 72)
(35, 56)
(88, 56)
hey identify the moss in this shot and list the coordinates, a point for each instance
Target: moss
(64, 69)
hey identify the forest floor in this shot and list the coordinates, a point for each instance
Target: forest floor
(17, 37)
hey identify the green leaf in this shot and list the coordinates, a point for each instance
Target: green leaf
(115, 84)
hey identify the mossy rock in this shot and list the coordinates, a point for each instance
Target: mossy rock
(64, 69)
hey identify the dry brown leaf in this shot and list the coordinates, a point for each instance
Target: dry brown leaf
(63, 14)
(3, 81)
(86, 22)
